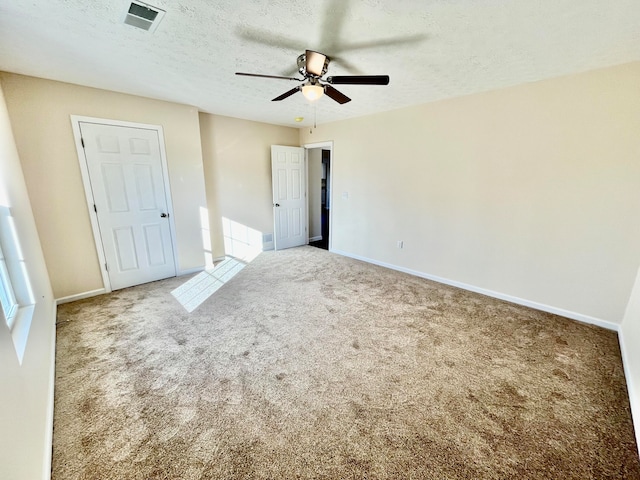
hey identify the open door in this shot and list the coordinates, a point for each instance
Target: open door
(289, 196)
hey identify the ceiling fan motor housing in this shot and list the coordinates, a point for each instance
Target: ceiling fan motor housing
(313, 64)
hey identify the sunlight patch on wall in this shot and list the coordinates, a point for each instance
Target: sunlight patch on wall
(195, 291)
(241, 241)
(206, 237)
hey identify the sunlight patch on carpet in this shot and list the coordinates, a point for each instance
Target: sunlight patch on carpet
(192, 293)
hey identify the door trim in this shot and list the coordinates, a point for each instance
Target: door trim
(86, 182)
(328, 145)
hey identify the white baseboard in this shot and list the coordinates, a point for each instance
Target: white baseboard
(633, 401)
(48, 443)
(316, 239)
(80, 296)
(490, 293)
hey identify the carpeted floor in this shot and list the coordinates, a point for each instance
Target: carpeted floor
(312, 365)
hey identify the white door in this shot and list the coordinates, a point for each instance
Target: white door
(289, 196)
(125, 170)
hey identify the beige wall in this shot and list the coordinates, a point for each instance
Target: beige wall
(531, 191)
(40, 114)
(26, 391)
(237, 165)
(314, 169)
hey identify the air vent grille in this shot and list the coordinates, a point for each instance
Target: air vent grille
(143, 12)
(144, 16)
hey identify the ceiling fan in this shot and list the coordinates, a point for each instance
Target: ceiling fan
(313, 66)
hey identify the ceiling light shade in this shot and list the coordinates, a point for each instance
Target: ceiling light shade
(312, 92)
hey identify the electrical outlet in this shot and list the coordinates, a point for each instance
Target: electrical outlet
(400, 244)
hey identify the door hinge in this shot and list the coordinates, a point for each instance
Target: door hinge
(95, 209)
(82, 141)
(106, 267)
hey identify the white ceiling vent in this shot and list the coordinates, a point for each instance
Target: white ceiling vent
(143, 16)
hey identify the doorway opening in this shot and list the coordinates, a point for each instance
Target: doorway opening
(319, 178)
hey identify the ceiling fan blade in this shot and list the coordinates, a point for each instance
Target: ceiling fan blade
(348, 66)
(335, 15)
(286, 94)
(269, 38)
(409, 39)
(336, 95)
(268, 76)
(359, 80)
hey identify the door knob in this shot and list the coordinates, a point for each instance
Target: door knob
(164, 215)
(276, 204)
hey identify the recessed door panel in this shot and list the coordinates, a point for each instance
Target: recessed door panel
(282, 185)
(139, 146)
(125, 247)
(283, 224)
(154, 245)
(296, 187)
(108, 144)
(144, 187)
(114, 188)
(296, 221)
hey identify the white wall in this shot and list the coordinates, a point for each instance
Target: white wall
(314, 193)
(40, 115)
(630, 342)
(531, 191)
(26, 391)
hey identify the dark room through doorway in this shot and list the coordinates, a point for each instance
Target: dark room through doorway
(319, 171)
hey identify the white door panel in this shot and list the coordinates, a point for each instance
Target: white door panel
(125, 170)
(289, 196)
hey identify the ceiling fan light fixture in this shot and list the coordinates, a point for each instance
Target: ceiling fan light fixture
(312, 92)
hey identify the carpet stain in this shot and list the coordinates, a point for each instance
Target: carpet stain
(510, 392)
(561, 374)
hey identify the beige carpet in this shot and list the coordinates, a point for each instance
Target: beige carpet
(312, 365)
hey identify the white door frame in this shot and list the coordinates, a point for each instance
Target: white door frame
(328, 145)
(84, 170)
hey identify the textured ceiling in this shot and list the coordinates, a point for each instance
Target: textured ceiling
(431, 49)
